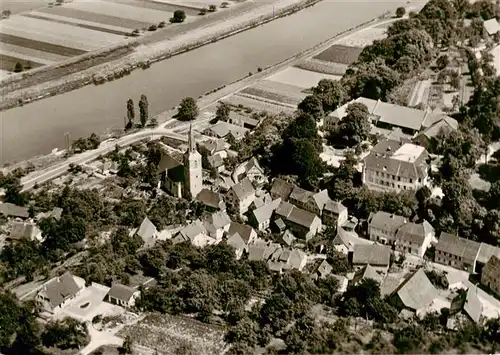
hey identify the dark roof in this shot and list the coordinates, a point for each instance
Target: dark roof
(386, 221)
(237, 242)
(11, 210)
(243, 189)
(417, 291)
(60, 289)
(486, 251)
(445, 125)
(454, 245)
(167, 162)
(281, 188)
(284, 209)
(301, 217)
(412, 232)
(492, 266)
(121, 292)
(300, 194)
(209, 198)
(335, 207)
(242, 229)
(375, 255)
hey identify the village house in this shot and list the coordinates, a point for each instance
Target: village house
(238, 244)
(182, 179)
(378, 256)
(147, 231)
(334, 214)
(472, 305)
(281, 189)
(214, 145)
(428, 137)
(490, 276)
(25, 230)
(260, 217)
(416, 293)
(486, 251)
(302, 223)
(406, 237)
(287, 259)
(250, 169)
(309, 201)
(369, 272)
(457, 252)
(224, 129)
(217, 224)
(322, 270)
(260, 250)
(10, 210)
(246, 232)
(122, 295)
(261, 200)
(241, 196)
(491, 27)
(345, 241)
(243, 121)
(393, 166)
(58, 291)
(212, 200)
(194, 233)
(216, 161)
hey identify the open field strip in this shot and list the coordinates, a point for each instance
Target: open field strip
(16, 6)
(25, 57)
(301, 78)
(93, 17)
(39, 46)
(161, 6)
(363, 38)
(340, 54)
(8, 63)
(97, 26)
(294, 93)
(256, 105)
(32, 52)
(120, 10)
(259, 94)
(321, 66)
(192, 4)
(56, 33)
(4, 74)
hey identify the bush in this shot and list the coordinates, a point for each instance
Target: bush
(161, 24)
(18, 67)
(152, 28)
(179, 16)
(224, 5)
(203, 11)
(400, 12)
(212, 8)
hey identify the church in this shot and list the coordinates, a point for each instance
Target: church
(182, 179)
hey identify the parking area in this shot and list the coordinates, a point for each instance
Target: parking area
(89, 304)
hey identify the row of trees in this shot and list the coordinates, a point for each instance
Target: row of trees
(143, 111)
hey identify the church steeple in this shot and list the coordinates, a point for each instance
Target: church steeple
(193, 180)
(191, 140)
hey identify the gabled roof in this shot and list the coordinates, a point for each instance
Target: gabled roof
(417, 291)
(371, 273)
(321, 199)
(210, 198)
(265, 212)
(121, 292)
(60, 289)
(11, 210)
(280, 224)
(251, 164)
(411, 232)
(444, 125)
(296, 258)
(192, 230)
(167, 162)
(288, 238)
(301, 195)
(491, 26)
(302, 217)
(376, 255)
(243, 189)
(284, 209)
(222, 129)
(492, 267)
(386, 221)
(454, 245)
(262, 200)
(219, 219)
(486, 251)
(473, 306)
(281, 188)
(335, 207)
(237, 242)
(324, 269)
(22, 230)
(245, 231)
(147, 230)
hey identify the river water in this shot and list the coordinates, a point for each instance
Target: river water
(38, 127)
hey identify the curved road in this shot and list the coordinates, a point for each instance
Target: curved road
(40, 177)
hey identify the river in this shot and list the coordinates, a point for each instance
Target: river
(38, 127)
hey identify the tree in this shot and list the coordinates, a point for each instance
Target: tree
(130, 112)
(126, 347)
(400, 12)
(188, 109)
(65, 334)
(223, 111)
(409, 339)
(355, 126)
(6, 13)
(179, 16)
(143, 110)
(18, 67)
(442, 62)
(212, 8)
(313, 106)
(331, 93)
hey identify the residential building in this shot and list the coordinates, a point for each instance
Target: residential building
(491, 27)
(486, 251)
(216, 161)
(261, 200)
(212, 200)
(214, 145)
(334, 214)
(457, 252)
(287, 259)
(322, 270)
(241, 196)
(122, 295)
(416, 293)
(25, 230)
(369, 272)
(238, 245)
(261, 216)
(10, 210)
(345, 241)
(378, 256)
(393, 166)
(217, 224)
(428, 137)
(473, 306)
(302, 223)
(147, 231)
(246, 232)
(58, 291)
(250, 169)
(281, 189)
(406, 237)
(490, 276)
(182, 179)
(194, 233)
(224, 129)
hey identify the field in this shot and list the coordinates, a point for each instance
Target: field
(257, 105)
(363, 38)
(320, 66)
(192, 4)
(276, 91)
(299, 77)
(43, 35)
(340, 54)
(167, 334)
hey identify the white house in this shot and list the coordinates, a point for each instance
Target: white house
(250, 169)
(261, 217)
(122, 295)
(241, 196)
(58, 291)
(196, 234)
(216, 224)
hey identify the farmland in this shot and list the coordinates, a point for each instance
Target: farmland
(320, 66)
(300, 77)
(44, 35)
(340, 54)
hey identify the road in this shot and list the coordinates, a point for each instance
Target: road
(40, 177)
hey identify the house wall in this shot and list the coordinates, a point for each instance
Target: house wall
(455, 261)
(333, 219)
(378, 180)
(173, 187)
(491, 280)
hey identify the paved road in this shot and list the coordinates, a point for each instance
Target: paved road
(29, 181)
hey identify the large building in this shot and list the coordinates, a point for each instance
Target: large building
(182, 179)
(457, 252)
(395, 166)
(491, 274)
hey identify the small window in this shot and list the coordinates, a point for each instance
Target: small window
(399, 178)
(411, 181)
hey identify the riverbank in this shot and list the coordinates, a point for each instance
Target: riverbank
(122, 60)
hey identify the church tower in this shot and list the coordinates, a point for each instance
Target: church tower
(193, 178)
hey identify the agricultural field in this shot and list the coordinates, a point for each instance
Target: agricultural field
(276, 91)
(44, 35)
(257, 105)
(363, 38)
(301, 78)
(340, 54)
(320, 66)
(167, 334)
